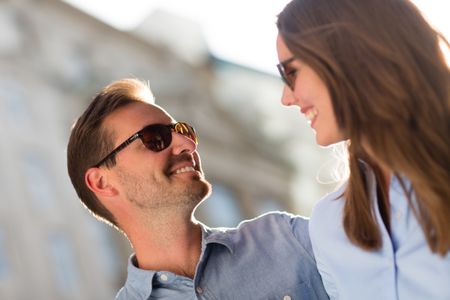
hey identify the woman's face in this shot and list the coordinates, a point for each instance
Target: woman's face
(310, 94)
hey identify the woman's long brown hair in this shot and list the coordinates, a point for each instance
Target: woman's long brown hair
(390, 89)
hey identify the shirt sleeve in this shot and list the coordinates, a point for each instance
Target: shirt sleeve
(299, 226)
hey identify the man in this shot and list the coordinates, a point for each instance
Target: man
(135, 167)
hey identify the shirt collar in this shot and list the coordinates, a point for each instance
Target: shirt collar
(216, 236)
(137, 276)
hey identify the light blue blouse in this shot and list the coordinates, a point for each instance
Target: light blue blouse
(404, 268)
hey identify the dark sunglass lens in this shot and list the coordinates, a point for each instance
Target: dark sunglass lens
(288, 73)
(186, 130)
(289, 76)
(192, 134)
(284, 77)
(156, 137)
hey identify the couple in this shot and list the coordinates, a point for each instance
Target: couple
(368, 72)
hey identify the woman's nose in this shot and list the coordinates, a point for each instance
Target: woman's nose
(287, 98)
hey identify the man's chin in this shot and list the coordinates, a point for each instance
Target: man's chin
(201, 189)
(194, 191)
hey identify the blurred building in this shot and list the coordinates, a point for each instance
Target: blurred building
(53, 59)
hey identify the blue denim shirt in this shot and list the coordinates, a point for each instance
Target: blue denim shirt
(269, 257)
(404, 268)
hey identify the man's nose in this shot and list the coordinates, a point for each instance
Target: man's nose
(182, 143)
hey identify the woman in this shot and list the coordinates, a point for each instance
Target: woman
(371, 73)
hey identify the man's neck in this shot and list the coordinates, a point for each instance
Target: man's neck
(168, 246)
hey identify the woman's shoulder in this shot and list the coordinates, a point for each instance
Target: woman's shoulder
(328, 210)
(331, 200)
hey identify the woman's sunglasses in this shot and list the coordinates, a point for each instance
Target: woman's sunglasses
(287, 74)
(155, 137)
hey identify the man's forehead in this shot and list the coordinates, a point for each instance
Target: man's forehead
(133, 117)
(139, 112)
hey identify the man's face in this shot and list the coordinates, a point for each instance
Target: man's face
(169, 179)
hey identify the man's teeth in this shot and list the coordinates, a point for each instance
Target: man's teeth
(311, 114)
(185, 169)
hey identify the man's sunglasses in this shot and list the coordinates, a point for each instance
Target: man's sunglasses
(155, 137)
(287, 74)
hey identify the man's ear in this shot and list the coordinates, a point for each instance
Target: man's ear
(98, 182)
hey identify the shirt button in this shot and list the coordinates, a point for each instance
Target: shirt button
(163, 277)
(199, 290)
(399, 215)
(287, 297)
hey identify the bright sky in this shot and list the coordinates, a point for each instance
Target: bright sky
(241, 31)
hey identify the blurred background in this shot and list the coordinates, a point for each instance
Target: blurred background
(211, 63)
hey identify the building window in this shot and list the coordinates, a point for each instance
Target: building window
(108, 247)
(12, 35)
(4, 262)
(15, 107)
(38, 181)
(221, 209)
(63, 262)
